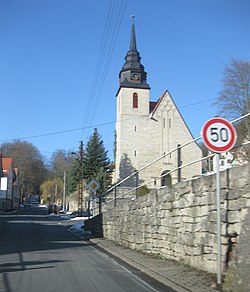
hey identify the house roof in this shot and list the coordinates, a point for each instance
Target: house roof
(1, 164)
(6, 162)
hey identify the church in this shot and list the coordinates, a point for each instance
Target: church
(147, 130)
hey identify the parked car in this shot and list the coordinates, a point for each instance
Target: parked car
(53, 209)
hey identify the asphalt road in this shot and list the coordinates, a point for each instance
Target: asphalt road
(38, 253)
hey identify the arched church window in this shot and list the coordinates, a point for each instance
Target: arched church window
(135, 100)
(166, 179)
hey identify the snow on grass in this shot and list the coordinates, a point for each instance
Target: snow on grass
(79, 227)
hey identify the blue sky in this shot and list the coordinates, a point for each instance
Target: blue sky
(60, 61)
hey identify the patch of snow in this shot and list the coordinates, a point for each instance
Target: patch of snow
(43, 206)
(65, 217)
(53, 215)
(79, 218)
(78, 228)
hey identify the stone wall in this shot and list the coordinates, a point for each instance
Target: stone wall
(237, 277)
(94, 225)
(181, 223)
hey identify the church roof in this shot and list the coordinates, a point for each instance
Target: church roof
(133, 56)
(154, 105)
(133, 64)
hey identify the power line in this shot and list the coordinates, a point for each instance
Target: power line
(99, 61)
(108, 59)
(88, 127)
(104, 57)
(191, 104)
(58, 132)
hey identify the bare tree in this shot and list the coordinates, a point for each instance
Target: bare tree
(61, 162)
(29, 161)
(52, 191)
(234, 98)
(234, 101)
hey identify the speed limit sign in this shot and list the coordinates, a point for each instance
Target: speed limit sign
(218, 135)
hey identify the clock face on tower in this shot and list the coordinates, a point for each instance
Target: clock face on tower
(135, 76)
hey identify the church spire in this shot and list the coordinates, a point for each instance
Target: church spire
(133, 39)
(133, 73)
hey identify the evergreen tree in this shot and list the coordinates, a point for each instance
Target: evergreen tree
(96, 162)
(74, 176)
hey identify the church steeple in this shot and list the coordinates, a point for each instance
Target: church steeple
(133, 73)
(133, 39)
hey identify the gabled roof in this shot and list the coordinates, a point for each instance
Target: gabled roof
(157, 104)
(154, 105)
(7, 163)
(1, 164)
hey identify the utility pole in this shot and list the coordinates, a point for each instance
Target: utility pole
(55, 195)
(64, 191)
(81, 179)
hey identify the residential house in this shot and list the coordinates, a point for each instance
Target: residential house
(9, 188)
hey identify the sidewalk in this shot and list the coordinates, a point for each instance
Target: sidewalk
(172, 274)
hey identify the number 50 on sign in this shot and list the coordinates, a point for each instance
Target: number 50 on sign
(218, 135)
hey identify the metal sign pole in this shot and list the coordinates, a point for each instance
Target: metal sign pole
(93, 187)
(218, 219)
(89, 208)
(219, 136)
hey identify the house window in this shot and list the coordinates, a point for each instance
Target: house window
(135, 128)
(169, 121)
(135, 100)
(135, 153)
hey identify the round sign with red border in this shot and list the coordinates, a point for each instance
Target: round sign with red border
(219, 135)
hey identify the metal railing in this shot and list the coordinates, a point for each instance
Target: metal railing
(136, 173)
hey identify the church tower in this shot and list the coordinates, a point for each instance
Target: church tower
(132, 105)
(147, 130)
